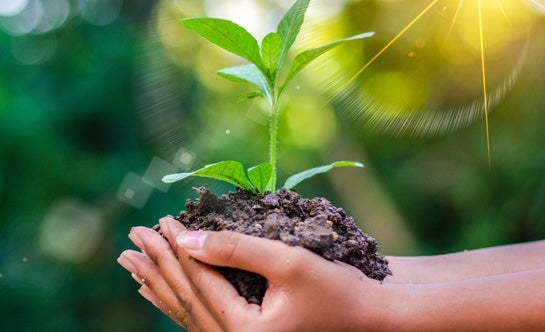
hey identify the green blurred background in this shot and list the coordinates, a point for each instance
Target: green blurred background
(100, 98)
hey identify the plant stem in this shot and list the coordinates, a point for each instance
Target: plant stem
(273, 134)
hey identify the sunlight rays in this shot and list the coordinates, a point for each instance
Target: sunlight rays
(390, 43)
(483, 74)
(460, 3)
(419, 120)
(500, 6)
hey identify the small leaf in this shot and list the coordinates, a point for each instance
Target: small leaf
(248, 73)
(250, 95)
(260, 175)
(270, 53)
(295, 179)
(304, 58)
(227, 35)
(289, 27)
(170, 178)
(228, 171)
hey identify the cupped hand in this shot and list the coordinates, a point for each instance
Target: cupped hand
(305, 292)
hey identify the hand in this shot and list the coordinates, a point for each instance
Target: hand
(305, 292)
(309, 293)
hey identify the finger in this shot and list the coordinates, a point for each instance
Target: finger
(148, 294)
(160, 253)
(269, 258)
(217, 294)
(154, 288)
(170, 228)
(274, 260)
(208, 278)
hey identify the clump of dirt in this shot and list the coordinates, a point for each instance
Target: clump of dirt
(284, 215)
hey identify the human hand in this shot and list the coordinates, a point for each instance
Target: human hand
(305, 292)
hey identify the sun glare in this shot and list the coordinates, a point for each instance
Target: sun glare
(432, 68)
(454, 61)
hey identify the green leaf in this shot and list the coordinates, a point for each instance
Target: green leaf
(270, 53)
(250, 95)
(227, 35)
(228, 171)
(295, 179)
(289, 27)
(304, 58)
(260, 175)
(248, 73)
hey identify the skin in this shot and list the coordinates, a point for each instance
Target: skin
(494, 289)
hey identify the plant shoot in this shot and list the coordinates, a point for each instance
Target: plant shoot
(266, 61)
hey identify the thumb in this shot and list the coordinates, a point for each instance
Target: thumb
(245, 252)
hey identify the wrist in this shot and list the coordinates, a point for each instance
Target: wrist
(387, 307)
(401, 313)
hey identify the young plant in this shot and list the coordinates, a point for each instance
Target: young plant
(266, 61)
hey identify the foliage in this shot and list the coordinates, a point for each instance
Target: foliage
(263, 71)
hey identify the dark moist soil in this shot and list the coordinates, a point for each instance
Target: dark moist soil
(284, 215)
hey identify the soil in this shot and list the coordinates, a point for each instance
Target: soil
(284, 215)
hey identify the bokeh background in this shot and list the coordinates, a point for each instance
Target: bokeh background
(100, 98)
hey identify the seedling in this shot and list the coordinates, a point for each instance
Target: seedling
(268, 70)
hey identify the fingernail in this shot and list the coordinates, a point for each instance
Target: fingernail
(135, 238)
(147, 294)
(138, 279)
(191, 240)
(124, 261)
(164, 226)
